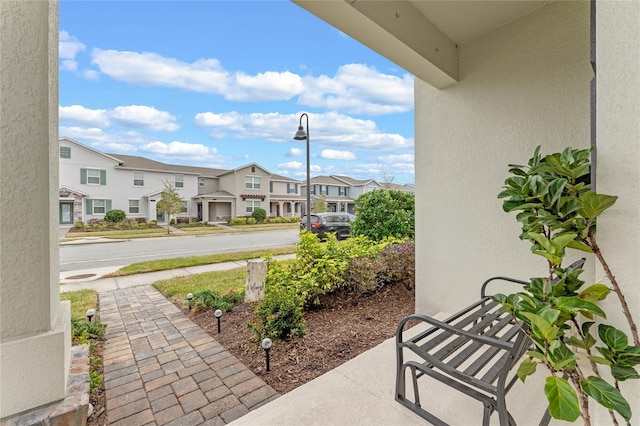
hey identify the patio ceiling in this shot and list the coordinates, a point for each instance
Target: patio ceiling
(420, 36)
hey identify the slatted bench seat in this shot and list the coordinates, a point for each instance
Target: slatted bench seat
(472, 351)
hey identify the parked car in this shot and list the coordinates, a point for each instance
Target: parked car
(324, 223)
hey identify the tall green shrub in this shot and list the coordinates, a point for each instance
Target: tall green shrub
(384, 213)
(115, 216)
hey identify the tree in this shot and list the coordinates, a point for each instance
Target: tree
(170, 202)
(384, 213)
(319, 205)
(259, 215)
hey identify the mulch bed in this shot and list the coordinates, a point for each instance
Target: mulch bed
(343, 327)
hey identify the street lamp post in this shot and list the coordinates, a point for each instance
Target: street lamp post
(301, 135)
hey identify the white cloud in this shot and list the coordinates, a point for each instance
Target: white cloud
(291, 165)
(294, 152)
(80, 115)
(332, 154)
(203, 75)
(131, 116)
(68, 46)
(406, 158)
(315, 168)
(178, 148)
(359, 89)
(140, 116)
(327, 131)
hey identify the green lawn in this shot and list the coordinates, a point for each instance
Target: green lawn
(81, 300)
(221, 282)
(184, 262)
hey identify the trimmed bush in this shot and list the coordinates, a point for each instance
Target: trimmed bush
(279, 315)
(385, 213)
(259, 215)
(115, 216)
(78, 224)
(211, 299)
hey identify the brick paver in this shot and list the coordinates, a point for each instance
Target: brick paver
(161, 368)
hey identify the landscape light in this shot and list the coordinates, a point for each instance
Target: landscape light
(218, 314)
(90, 314)
(266, 345)
(189, 297)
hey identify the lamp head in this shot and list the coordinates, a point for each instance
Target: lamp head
(189, 296)
(218, 313)
(266, 344)
(301, 135)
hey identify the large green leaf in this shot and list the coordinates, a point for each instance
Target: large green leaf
(555, 259)
(612, 337)
(594, 204)
(579, 245)
(542, 240)
(595, 293)
(561, 241)
(563, 401)
(573, 305)
(526, 368)
(542, 327)
(623, 373)
(554, 191)
(606, 395)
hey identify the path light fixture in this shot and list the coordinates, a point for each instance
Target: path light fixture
(218, 314)
(302, 135)
(266, 345)
(189, 298)
(90, 314)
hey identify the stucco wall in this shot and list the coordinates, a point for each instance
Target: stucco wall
(618, 169)
(522, 85)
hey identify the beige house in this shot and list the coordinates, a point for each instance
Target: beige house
(492, 81)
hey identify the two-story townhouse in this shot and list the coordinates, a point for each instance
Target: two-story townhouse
(337, 193)
(286, 197)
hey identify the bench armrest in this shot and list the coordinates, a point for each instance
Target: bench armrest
(440, 325)
(487, 282)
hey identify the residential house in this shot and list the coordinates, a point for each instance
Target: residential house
(92, 183)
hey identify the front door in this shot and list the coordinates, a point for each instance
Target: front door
(66, 213)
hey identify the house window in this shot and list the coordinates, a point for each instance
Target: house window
(65, 152)
(288, 208)
(313, 190)
(270, 186)
(200, 182)
(179, 181)
(292, 188)
(93, 176)
(185, 208)
(134, 206)
(252, 205)
(342, 191)
(252, 182)
(138, 178)
(99, 206)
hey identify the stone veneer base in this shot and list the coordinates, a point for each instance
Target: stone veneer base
(71, 411)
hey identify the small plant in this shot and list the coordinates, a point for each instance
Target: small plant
(115, 216)
(279, 315)
(211, 299)
(153, 223)
(237, 221)
(78, 224)
(251, 221)
(259, 215)
(172, 221)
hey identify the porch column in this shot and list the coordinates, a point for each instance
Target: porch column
(205, 210)
(35, 327)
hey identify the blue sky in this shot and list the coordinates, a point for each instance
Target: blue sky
(223, 83)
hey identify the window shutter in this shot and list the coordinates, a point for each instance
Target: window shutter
(108, 207)
(83, 176)
(103, 177)
(89, 204)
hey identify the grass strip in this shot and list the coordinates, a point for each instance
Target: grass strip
(184, 262)
(81, 300)
(222, 282)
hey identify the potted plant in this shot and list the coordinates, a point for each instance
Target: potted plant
(558, 211)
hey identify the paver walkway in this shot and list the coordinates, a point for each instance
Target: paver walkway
(161, 368)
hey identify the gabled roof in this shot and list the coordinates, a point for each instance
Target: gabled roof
(237, 169)
(134, 162)
(216, 194)
(283, 178)
(88, 148)
(353, 182)
(327, 180)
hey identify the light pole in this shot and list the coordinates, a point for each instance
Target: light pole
(300, 136)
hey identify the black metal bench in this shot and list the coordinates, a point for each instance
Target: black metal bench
(472, 351)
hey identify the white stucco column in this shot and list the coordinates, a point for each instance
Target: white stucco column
(34, 325)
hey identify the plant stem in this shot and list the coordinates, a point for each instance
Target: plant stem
(584, 401)
(616, 287)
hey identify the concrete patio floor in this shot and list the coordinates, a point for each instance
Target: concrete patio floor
(361, 392)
